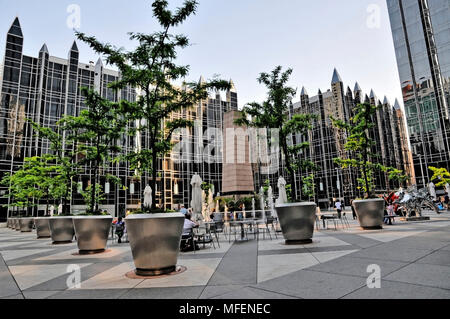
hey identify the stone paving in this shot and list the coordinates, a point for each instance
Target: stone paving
(414, 258)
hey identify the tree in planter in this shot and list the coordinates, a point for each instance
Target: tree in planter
(397, 175)
(63, 161)
(309, 187)
(23, 190)
(440, 174)
(151, 68)
(359, 143)
(274, 114)
(95, 133)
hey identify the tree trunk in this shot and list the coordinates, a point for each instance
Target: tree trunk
(154, 174)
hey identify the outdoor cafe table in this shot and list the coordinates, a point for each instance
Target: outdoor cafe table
(251, 222)
(327, 215)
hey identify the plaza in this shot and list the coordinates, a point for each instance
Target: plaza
(413, 258)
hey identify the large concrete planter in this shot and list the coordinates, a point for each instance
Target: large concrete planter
(155, 242)
(8, 223)
(92, 233)
(61, 229)
(370, 212)
(42, 227)
(26, 224)
(17, 224)
(297, 222)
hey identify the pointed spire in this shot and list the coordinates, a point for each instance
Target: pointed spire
(202, 80)
(396, 105)
(372, 94)
(16, 29)
(336, 77)
(320, 92)
(99, 62)
(232, 87)
(74, 46)
(366, 99)
(304, 92)
(44, 49)
(357, 88)
(349, 91)
(385, 101)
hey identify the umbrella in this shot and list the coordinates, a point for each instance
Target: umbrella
(196, 202)
(148, 197)
(210, 202)
(282, 198)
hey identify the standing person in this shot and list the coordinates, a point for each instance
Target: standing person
(338, 206)
(353, 210)
(120, 228)
(390, 212)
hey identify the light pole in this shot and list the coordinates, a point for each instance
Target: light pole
(338, 183)
(421, 169)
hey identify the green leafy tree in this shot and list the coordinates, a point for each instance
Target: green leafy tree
(274, 114)
(360, 144)
(95, 132)
(309, 187)
(63, 161)
(151, 68)
(441, 175)
(23, 185)
(398, 175)
(87, 196)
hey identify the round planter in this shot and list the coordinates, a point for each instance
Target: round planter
(8, 223)
(297, 222)
(370, 212)
(42, 227)
(92, 233)
(26, 225)
(155, 242)
(61, 229)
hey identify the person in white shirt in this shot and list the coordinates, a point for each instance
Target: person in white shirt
(338, 206)
(187, 229)
(188, 225)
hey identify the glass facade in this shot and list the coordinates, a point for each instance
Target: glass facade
(46, 88)
(327, 143)
(421, 34)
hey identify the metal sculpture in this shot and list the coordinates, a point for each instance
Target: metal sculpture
(413, 201)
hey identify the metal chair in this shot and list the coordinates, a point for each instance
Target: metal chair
(188, 239)
(265, 229)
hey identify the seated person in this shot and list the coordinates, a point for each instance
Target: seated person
(186, 240)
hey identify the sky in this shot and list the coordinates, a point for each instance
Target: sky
(236, 39)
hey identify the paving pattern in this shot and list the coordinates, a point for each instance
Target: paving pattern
(414, 259)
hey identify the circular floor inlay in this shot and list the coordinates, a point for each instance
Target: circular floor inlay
(179, 270)
(93, 253)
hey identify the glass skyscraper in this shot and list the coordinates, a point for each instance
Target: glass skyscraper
(45, 88)
(421, 33)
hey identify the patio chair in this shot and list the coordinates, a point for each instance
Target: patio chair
(188, 239)
(204, 238)
(264, 229)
